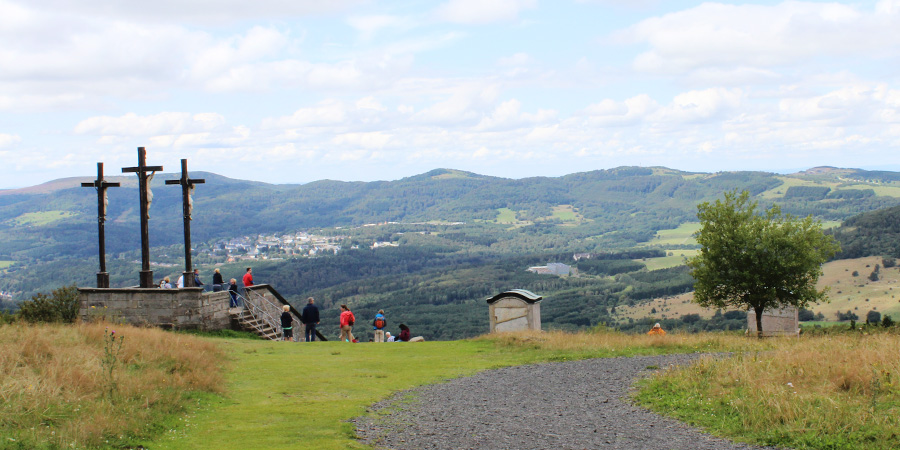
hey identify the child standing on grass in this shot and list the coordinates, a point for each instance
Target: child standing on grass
(287, 323)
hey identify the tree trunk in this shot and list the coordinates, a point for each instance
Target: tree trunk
(759, 330)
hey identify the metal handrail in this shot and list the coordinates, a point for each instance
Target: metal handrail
(271, 320)
(259, 313)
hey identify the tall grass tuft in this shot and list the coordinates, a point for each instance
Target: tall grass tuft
(54, 383)
(836, 391)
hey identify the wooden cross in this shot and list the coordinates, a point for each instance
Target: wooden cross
(102, 202)
(146, 198)
(187, 200)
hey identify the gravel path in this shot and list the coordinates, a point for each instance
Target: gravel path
(570, 405)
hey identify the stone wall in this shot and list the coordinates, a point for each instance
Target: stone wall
(187, 308)
(779, 322)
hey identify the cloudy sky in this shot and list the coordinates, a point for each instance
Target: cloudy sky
(292, 91)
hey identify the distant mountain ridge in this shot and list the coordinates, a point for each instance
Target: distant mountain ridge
(600, 209)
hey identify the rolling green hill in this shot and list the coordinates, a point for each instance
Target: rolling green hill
(462, 236)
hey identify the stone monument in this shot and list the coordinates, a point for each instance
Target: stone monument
(515, 310)
(778, 322)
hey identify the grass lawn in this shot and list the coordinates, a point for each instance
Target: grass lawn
(281, 393)
(6, 264)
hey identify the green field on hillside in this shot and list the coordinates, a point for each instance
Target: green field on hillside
(506, 215)
(566, 213)
(41, 218)
(881, 190)
(683, 235)
(678, 258)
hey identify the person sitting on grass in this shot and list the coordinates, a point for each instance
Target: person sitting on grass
(657, 330)
(404, 333)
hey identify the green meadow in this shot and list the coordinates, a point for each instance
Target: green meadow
(41, 218)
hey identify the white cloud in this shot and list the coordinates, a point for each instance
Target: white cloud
(132, 124)
(372, 140)
(368, 26)
(729, 37)
(481, 12)
(201, 11)
(507, 115)
(327, 112)
(9, 140)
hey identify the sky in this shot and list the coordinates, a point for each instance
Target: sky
(293, 91)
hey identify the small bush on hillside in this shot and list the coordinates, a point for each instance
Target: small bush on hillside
(844, 316)
(887, 322)
(690, 318)
(888, 262)
(60, 306)
(806, 315)
(873, 317)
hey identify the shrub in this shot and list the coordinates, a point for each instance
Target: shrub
(806, 315)
(886, 321)
(690, 318)
(873, 317)
(888, 262)
(60, 306)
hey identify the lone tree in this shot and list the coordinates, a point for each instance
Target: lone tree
(757, 261)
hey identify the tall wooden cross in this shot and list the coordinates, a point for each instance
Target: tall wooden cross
(187, 200)
(102, 202)
(146, 198)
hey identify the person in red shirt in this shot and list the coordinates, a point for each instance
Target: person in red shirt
(248, 278)
(347, 321)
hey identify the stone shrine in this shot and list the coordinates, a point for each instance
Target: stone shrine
(778, 322)
(515, 310)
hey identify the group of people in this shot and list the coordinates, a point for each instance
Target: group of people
(218, 283)
(166, 283)
(309, 317)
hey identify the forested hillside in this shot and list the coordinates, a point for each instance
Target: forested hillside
(876, 233)
(460, 237)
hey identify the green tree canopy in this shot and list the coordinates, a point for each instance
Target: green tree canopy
(757, 261)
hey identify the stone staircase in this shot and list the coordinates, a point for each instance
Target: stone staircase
(249, 322)
(260, 313)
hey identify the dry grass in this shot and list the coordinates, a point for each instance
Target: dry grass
(837, 391)
(611, 343)
(53, 389)
(846, 292)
